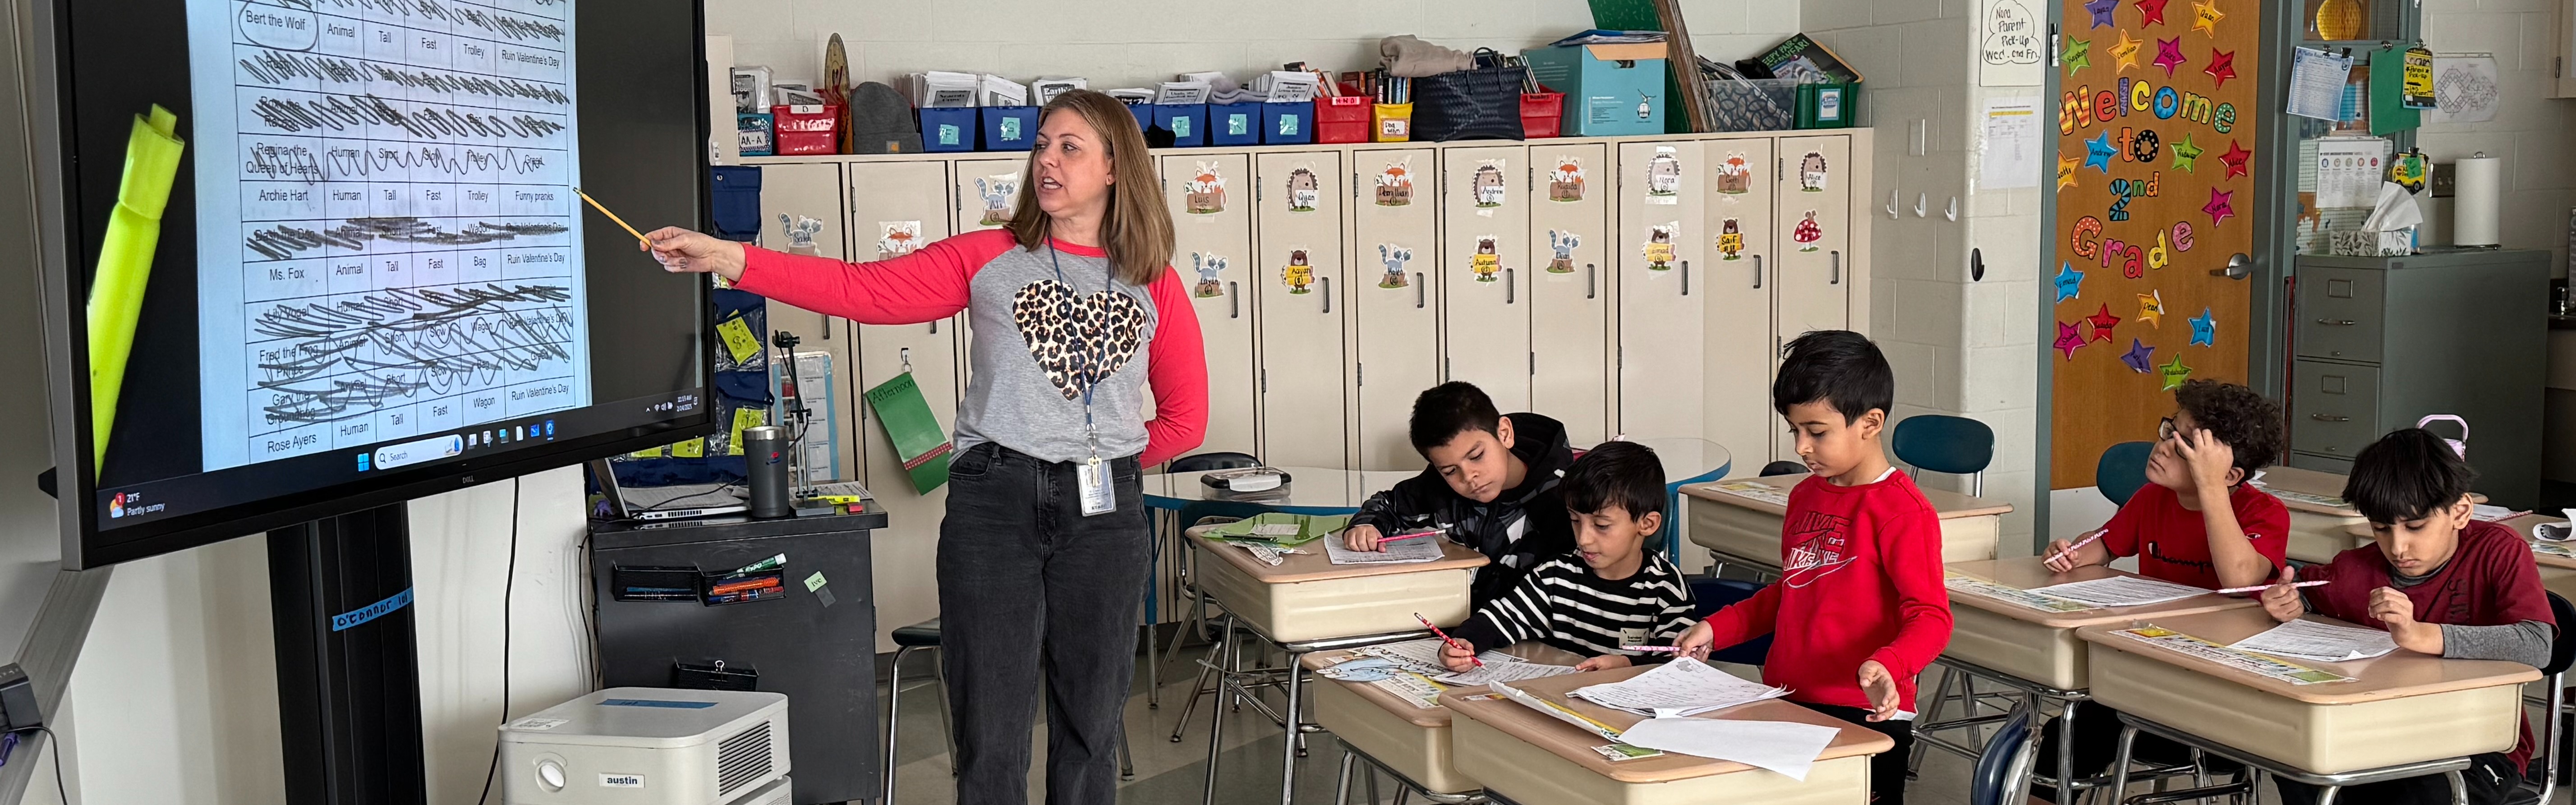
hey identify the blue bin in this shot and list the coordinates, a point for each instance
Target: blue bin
(1234, 124)
(1186, 121)
(1287, 123)
(1010, 128)
(948, 129)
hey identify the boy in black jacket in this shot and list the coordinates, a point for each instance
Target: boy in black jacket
(1491, 486)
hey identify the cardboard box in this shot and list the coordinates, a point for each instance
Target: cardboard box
(1610, 90)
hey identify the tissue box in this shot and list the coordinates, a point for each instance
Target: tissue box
(2355, 243)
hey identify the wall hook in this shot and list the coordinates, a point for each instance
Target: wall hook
(1920, 200)
(1953, 212)
(1891, 205)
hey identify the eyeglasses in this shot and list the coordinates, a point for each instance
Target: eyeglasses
(2165, 429)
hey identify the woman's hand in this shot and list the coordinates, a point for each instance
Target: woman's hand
(683, 251)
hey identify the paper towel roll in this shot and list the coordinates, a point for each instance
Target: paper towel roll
(2474, 200)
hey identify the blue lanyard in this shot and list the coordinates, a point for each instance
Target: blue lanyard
(1093, 355)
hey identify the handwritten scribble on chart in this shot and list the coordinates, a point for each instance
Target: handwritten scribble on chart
(278, 67)
(343, 360)
(288, 161)
(339, 113)
(512, 27)
(283, 241)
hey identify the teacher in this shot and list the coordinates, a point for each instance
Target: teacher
(1044, 553)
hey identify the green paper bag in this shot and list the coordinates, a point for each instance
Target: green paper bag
(915, 433)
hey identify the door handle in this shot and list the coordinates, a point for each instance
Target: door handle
(1328, 294)
(2329, 418)
(1511, 292)
(1234, 299)
(1591, 281)
(2336, 322)
(1757, 272)
(1421, 290)
(1836, 260)
(1685, 277)
(2238, 267)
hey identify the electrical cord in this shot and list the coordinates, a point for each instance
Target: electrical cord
(509, 581)
(54, 742)
(667, 504)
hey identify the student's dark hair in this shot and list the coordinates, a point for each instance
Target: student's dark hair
(2249, 424)
(2406, 475)
(1622, 474)
(1839, 367)
(1449, 409)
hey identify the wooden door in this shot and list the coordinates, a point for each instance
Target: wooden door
(813, 191)
(1811, 240)
(1663, 289)
(1743, 275)
(1485, 271)
(1212, 248)
(887, 199)
(1298, 257)
(1569, 287)
(1395, 309)
(987, 190)
(2154, 179)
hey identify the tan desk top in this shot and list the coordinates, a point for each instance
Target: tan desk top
(1565, 741)
(1316, 566)
(2312, 482)
(2521, 525)
(1532, 651)
(1950, 505)
(2399, 674)
(2027, 572)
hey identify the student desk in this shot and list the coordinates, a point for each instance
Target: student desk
(1746, 531)
(2400, 710)
(2319, 529)
(1308, 604)
(2032, 651)
(2557, 573)
(1523, 756)
(1390, 734)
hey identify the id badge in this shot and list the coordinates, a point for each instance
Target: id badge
(1098, 495)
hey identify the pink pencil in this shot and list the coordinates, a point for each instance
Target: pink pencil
(1403, 537)
(2071, 549)
(1652, 649)
(1445, 638)
(2261, 587)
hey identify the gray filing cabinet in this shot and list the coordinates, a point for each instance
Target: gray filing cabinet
(2381, 342)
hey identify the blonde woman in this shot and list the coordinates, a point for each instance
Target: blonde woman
(1075, 311)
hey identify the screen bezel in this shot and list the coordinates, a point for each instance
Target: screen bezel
(84, 546)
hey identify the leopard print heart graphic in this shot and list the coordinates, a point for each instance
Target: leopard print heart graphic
(1067, 330)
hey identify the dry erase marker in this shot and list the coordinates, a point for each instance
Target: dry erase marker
(2071, 549)
(1444, 638)
(621, 222)
(2261, 587)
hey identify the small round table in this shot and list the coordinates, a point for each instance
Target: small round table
(1311, 490)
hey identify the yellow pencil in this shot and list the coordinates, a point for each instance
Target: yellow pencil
(621, 222)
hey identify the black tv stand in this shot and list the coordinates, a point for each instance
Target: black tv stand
(348, 665)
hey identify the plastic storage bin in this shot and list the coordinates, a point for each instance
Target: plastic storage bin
(1609, 89)
(751, 133)
(1391, 123)
(1287, 123)
(1342, 119)
(1764, 104)
(1542, 114)
(1234, 124)
(1187, 122)
(1009, 128)
(948, 128)
(806, 129)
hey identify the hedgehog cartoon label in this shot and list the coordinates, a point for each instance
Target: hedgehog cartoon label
(1487, 265)
(997, 192)
(1812, 173)
(1808, 232)
(1204, 193)
(1395, 184)
(1663, 176)
(1210, 267)
(1299, 276)
(1304, 190)
(1394, 257)
(1488, 183)
(1735, 175)
(1659, 246)
(1730, 240)
(1563, 244)
(1565, 181)
(897, 238)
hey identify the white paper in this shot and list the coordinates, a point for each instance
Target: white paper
(1683, 687)
(1420, 655)
(1786, 747)
(1509, 670)
(2011, 156)
(1755, 490)
(2008, 47)
(1181, 92)
(2394, 210)
(2487, 513)
(942, 89)
(2120, 591)
(1267, 554)
(1047, 88)
(2464, 89)
(1417, 549)
(2350, 171)
(2316, 84)
(2311, 640)
(1412, 688)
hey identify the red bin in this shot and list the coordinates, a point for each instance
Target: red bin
(1541, 114)
(1342, 119)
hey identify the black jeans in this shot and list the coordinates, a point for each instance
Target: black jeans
(1886, 769)
(1029, 585)
(2489, 777)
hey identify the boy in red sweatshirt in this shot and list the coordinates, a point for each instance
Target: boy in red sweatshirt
(1861, 593)
(2440, 582)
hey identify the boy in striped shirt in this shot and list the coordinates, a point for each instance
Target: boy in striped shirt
(1605, 598)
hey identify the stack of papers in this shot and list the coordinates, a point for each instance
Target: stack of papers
(1417, 549)
(2310, 640)
(2491, 514)
(1500, 667)
(1181, 92)
(1286, 86)
(938, 89)
(1413, 655)
(1683, 687)
(2120, 591)
(2327, 501)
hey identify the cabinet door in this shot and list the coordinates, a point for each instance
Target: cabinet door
(1212, 245)
(813, 191)
(1737, 388)
(1812, 240)
(1485, 271)
(1663, 289)
(1395, 309)
(1298, 256)
(1569, 287)
(987, 190)
(910, 199)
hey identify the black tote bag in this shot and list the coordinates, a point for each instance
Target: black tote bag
(1479, 104)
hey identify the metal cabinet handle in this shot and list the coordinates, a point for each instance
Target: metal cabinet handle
(1421, 290)
(1234, 299)
(1837, 260)
(1328, 294)
(2329, 418)
(1511, 293)
(1685, 277)
(1757, 272)
(2336, 322)
(934, 326)
(1591, 281)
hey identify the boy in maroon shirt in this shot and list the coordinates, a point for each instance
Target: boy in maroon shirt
(2440, 582)
(1861, 587)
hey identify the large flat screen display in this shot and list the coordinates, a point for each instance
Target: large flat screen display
(316, 255)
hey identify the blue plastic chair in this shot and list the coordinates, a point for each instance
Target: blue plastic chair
(1782, 468)
(1992, 779)
(2122, 471)
(1710, 595)
(1948, 444)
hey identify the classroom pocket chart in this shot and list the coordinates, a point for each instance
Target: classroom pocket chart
(388, 240)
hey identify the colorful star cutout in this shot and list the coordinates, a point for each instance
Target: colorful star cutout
(2066, 172)
(2151, 12)
(2140, 357)
(2175, 373)
(2079, 55)
(2205, 16)
(2101, 11)
(2221, 206)
(2186, 155)
(2068, 340)
(2222, 66)
(2169, 55)
(2070, 282)
(2125, 52)
(2102, 323)
(2099, 151)
(2151, 308)
(2204, 329)
(2235, 159)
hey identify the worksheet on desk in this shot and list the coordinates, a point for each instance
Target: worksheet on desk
(1417, 549)
(2120, 591)
(388, 239)
(1679, 688)
(2311, 640)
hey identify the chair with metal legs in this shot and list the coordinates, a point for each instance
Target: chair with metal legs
(923, 636)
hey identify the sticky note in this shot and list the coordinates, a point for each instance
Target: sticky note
(693, 448)
(738, 339)
(814, 582)
(744, 418)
